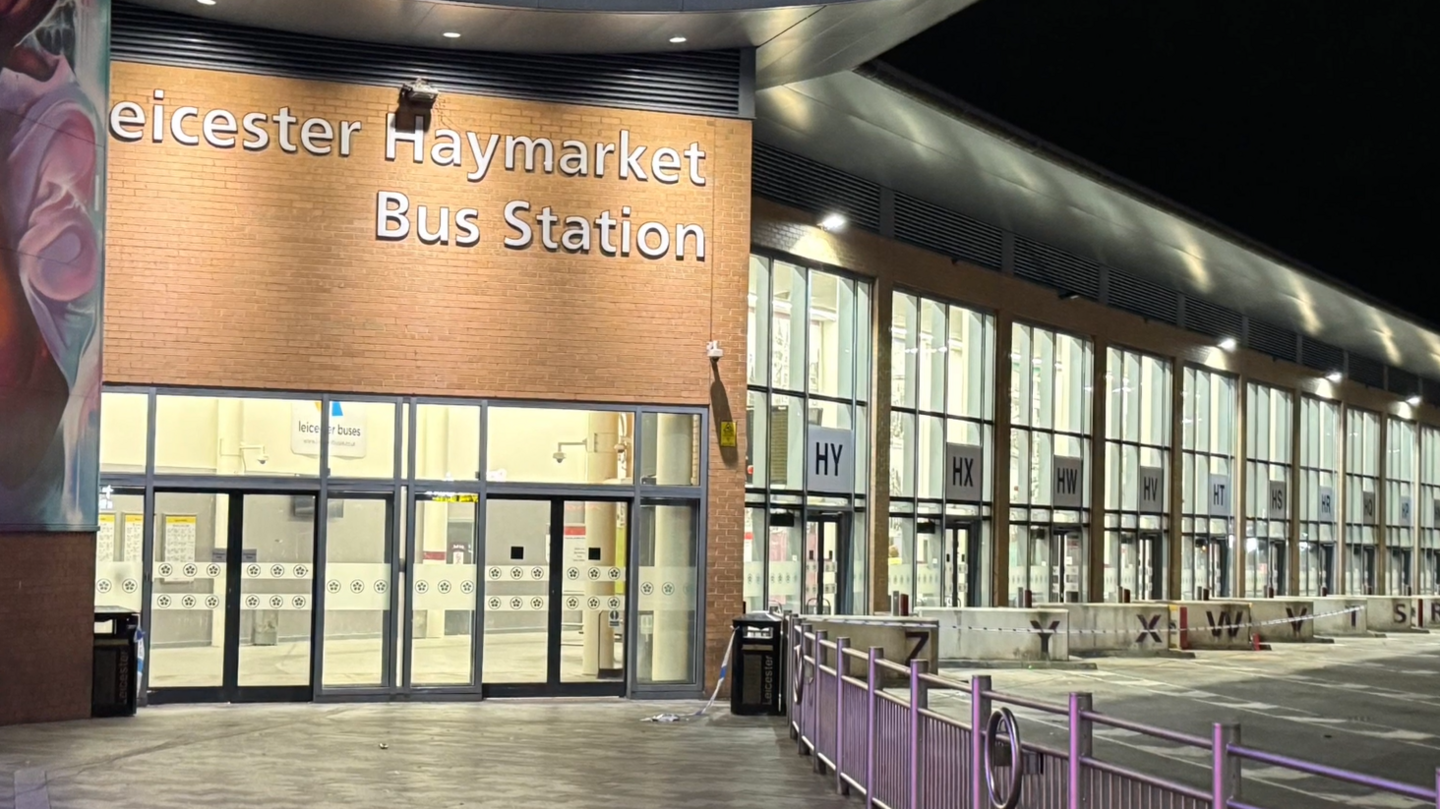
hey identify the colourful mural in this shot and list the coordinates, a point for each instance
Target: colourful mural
(54, 81)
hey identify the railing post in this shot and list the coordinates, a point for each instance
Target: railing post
(979, 715)
(919, 701)
(841, 644)
(1081, 747)
(872, 687)
(1437, 788)
(802, 707)
(820, 636)
(1225, 768)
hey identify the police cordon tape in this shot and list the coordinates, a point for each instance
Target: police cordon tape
(1040, 630)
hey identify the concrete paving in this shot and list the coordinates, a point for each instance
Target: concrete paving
(555, 754)
(1365, 704)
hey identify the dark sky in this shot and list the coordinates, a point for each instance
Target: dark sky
(1309, 126)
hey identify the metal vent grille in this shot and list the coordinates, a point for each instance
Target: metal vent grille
(1047, 265)
(802, 183)
(1367, 371)
(1273, 340)
(1431, 392)
(1320, 355)
(955, 235)
(1402, 382)
(703, 83)
(1212, 319)
(1149, 300)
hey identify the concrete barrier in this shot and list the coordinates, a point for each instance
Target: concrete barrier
(1351, 623)
(1283, 620)
(1137, 628)
(1394, 613)
(903, 638)
(1212, 624)
(1001, 633)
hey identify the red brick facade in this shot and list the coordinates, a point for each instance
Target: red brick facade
(47, 586)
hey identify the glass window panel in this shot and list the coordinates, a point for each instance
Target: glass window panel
(561, 445)
(787, 442)
(754, 557)
(757, 353)
(188, 613)
(275, 613)
(119, 545)
(667, 564)
(933, 339)
(442, 612)
(1020, 378)
(904, 444)
(931, 447)
(208, 435)
(357, 559)
(124, 420)
(862, 341)
(362, 439)
(905, 349)
(671, 444)
(787, 341)
(901, 563)
(832, 335)
(757, 437)
(447, 442)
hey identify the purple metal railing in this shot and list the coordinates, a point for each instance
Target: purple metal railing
(887, 743)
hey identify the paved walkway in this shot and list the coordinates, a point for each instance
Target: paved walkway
(517, 755)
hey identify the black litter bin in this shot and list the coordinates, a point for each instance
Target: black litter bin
(758, 687)
(114, 687)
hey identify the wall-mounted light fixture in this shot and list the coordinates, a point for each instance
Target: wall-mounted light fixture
(419, 94)
(832, 222)
(1413, 399)
(1228, 344)
(1334, 376)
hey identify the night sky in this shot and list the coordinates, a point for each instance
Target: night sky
(1308, 126)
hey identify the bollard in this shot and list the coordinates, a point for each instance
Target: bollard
(979, 716)
(1081, 746)
(1225, 768)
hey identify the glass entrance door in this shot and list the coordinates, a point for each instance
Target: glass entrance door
(555, 597)
(827, 563)
(1360, 570)
(1265, 568)
(1142, 567)
(1429, 571)
(1397, 574)
(1317, 568)
(964, 564)
(1208, 562)
(232, 597)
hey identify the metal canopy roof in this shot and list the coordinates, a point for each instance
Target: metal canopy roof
(793, 41)
(916, 142)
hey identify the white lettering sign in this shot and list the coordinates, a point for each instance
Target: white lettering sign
(1219, 495)
(1152, 490)
(347, 429)
(829, 460)
(1327, 504)
(1278, 494)
(615, 231)
(1068, 481)
(964, 473)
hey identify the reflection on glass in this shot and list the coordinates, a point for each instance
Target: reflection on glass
(757, 354)
(276, 584)
(187, 619)
(667, 598)
(785, 553)
(237, 436)
(442, 592)
(754, 556)
(358, 587)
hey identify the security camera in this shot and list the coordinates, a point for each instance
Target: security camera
(559, 456)
(262, 459)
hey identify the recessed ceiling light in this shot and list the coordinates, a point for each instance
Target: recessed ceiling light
(676, 40)
(451, 35)
(206, 2)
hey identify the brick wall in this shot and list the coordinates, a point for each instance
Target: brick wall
(47, 586)
(261, 269)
